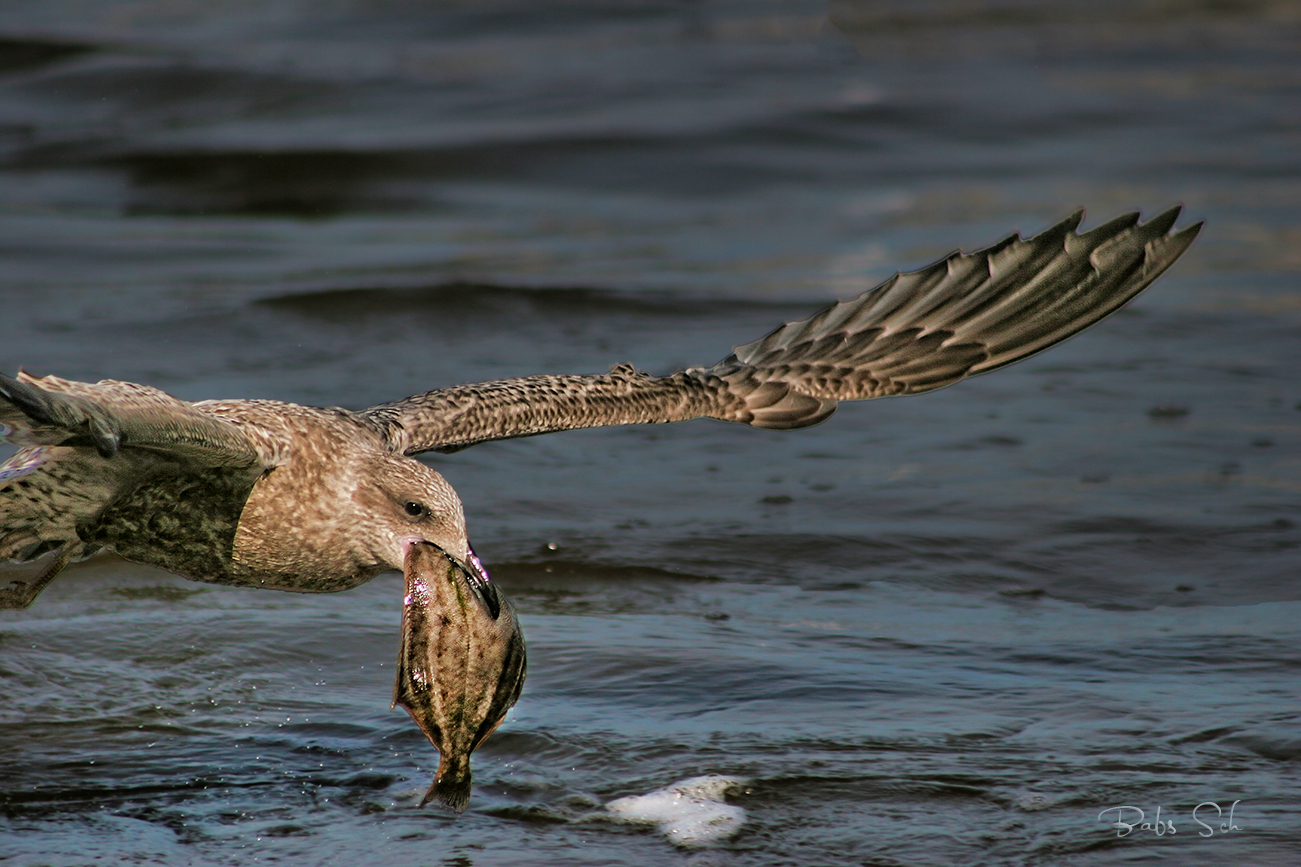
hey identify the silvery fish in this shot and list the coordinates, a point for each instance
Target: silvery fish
(462, 661)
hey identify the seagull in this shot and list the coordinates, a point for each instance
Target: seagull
(259, 493)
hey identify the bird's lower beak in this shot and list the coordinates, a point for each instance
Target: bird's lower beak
(479, 582)
(473, 568)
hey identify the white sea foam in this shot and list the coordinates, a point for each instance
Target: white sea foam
(691, 813)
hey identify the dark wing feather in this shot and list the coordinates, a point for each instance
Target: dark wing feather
(110, 415)
(964, 315)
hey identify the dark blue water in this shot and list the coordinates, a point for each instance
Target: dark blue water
(950, 629)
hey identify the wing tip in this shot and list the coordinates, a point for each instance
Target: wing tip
(1114, 227)
(1166, 247)
(1072, 221)
(1157, 226)
(1163, 222)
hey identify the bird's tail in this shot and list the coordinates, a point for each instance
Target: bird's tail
(47, 491)
(63, 473)
(19, 592)
(451, 784)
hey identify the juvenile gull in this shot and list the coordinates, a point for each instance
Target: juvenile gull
(265, 494)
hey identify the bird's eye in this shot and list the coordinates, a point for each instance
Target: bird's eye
(414, 509)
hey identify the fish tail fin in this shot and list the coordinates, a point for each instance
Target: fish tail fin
(452, 784)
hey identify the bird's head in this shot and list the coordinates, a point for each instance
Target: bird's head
(407, 503)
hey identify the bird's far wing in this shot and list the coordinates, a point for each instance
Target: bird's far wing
(110, 416)
(964, 315)
(86, 445)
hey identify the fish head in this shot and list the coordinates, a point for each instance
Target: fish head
(448, 596)
(458, 584)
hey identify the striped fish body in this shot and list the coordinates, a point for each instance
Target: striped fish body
(461, 665)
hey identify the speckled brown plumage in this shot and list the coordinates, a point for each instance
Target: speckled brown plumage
(184, 517)
(275, 495)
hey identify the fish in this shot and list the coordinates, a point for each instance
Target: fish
(462, 661)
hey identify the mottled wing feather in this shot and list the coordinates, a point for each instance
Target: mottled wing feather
(453, 418)
(110, 416)
(966, 314)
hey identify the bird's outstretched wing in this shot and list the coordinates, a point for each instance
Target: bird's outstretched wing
(964, 315)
